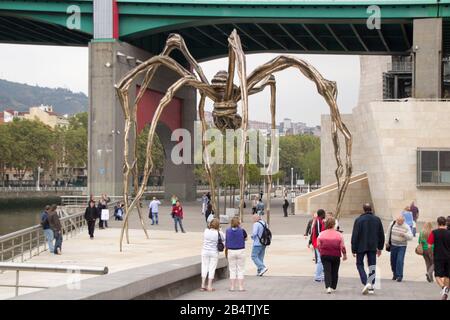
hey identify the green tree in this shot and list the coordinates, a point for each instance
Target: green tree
(310, 166)
(5, 150)
(31, 146)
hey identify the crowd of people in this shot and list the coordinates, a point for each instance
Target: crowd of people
(232, 242)
(325, 239)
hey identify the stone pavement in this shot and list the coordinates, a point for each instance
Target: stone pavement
(303, 288)
(288, 258)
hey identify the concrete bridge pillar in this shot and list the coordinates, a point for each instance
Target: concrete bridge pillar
(109, 61)
(427, 52)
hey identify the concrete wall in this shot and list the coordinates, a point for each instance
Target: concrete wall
(387, 152)
(165, 280)
(427, 53)
(105, 160)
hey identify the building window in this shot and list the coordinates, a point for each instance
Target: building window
(433, 167)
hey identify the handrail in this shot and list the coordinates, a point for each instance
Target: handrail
(8, 266)
(32, 267)
(28, 242)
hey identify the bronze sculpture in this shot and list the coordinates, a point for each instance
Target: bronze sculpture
(225, 95)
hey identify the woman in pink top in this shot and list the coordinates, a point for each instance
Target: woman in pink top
(331, 246)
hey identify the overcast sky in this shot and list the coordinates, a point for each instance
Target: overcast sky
(297, 97)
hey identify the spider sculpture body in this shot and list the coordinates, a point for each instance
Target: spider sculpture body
(225, 96)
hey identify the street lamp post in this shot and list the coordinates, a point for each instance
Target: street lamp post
(38, 182)
(292, 191)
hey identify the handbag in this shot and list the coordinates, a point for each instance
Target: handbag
(388, 245)
(419, 248)
(220, 245)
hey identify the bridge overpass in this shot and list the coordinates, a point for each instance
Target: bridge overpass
(120, 33)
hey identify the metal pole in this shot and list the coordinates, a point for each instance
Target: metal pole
(292, 180)
(17, 283)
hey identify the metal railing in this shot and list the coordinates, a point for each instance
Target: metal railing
(41, 189)
(84, 200)
(26, 243)
(46, 268)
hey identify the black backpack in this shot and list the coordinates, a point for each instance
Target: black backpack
(266, 236)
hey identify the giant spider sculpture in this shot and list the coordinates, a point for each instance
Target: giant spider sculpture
(225, 95)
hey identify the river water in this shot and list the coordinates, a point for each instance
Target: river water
(14, 219)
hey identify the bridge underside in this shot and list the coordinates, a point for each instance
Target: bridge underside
(139, 29)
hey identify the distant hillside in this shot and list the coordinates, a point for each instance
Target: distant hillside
(20, 97)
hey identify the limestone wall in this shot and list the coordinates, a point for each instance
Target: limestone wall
(386, 149)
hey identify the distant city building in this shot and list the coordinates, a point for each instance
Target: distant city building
(286, 127)
(46, 115)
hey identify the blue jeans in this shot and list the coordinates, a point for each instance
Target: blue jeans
(154, 217)
(371, 260)
(178, 220)
(58, 240)
(397, 260)
(258, 253)
(319, 267)
(49, 237)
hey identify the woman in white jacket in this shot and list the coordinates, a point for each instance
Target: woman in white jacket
(210, 253)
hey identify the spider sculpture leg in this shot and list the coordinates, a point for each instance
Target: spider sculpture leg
(174, 41)
(328, 90)
(130, 114)
(188, 81)
(234, 43)
(269, 81)
(205, 153)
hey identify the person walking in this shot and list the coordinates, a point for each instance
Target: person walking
(427, 250)
(118, 212)
(260, 207)
(408, 216)
(285, 207)
(178, 216)
(331, 246)
(48, 232)
(440, 239)
(415, 212)
(212, 236)
(204, 203)
(153, 208)
(317, 227)
(90, 215)
(235, 252)
(367, 240)
(102, 209)
(258, 249)
(55, 225)
(399, 234)
(209, 213)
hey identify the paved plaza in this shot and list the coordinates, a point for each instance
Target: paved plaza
(288, 259)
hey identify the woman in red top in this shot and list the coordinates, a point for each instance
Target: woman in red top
(177, 213)
(331, 244)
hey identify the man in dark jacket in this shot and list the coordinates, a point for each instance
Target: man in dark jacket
(367, 240)
(91, 214)
(48, 232)
(55, 224)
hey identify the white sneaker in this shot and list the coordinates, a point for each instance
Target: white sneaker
(262, 272)
(329, 290)
(366, 288)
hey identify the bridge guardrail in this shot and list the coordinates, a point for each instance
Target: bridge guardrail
(26, 243)
(17, 267)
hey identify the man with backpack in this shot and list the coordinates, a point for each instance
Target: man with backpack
(262, 237)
